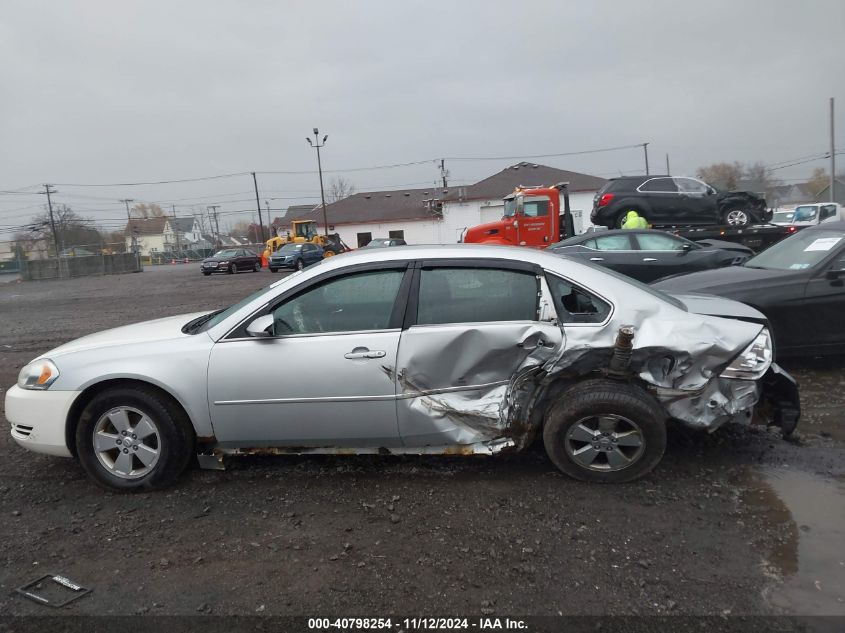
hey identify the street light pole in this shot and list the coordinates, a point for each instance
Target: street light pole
(317, 145)
(134, 246)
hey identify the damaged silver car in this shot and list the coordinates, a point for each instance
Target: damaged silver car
(449, 350)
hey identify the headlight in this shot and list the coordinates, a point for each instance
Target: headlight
(39, 374)
(754, 361)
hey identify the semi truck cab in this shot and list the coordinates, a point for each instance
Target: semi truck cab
(532, 218)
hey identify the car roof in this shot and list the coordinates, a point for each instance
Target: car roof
(649, 177)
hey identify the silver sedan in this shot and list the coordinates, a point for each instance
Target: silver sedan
(450, 350)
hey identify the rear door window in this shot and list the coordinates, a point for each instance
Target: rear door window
(613, 243)
(659, 185)
(473, 295)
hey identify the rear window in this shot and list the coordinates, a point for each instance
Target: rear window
(619, 185)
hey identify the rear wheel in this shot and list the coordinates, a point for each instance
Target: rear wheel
(605, 431)
(130, 438)
(257, 267)
(736, 217)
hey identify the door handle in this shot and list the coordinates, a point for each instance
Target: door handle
(359, 352)
(649, 259)
(597, 259)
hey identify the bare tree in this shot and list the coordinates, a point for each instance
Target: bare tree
(721, 175)
(340, 188)
(71, 229)
(758, 178)
(144, 211)
(818, 181)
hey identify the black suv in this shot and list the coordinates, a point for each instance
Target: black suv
(675, 201)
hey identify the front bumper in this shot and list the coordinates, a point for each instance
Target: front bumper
(779, 400)
(39, 418)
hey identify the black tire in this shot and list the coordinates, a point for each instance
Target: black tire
(300, 264)
(602, 397)
(232, 269)
(272, 269)
(206, 274)
(736, 216)
(175, 435)
(257, 267)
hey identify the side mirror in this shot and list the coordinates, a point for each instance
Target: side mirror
(262, 327)
(685, 248)
(835, 274)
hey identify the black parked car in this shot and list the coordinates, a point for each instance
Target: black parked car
(798, 283)
(674, 201)
(647, 255)
(297, 256)
(231, 260)
(382, 242)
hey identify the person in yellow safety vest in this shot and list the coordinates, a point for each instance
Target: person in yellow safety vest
(634, 221)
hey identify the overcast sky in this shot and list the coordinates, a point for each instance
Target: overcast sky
(118, 92)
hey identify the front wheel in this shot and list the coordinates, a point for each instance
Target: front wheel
(300, 264)
(257, 267)
(605, 431)
(736, 217)
(206, 274)
(273, 269)
(130, 438)
(232, 269)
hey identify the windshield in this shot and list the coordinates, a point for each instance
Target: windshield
(803, 214)
(377, 243)
(211, 319)
(226, 253)
(783, 216)
(800, 251)
(510, 207)
(290, 248)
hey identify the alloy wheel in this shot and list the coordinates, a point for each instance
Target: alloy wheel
(605, 442)
(737, 217)
(126, 442)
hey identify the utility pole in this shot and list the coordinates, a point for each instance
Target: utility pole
(269, 221)
(56, 244)
(443, 173)
(129, 227)
(213, 209)
(645, 149)
(258, 206)
(176, 229)
(832, 157)
(668, 173)
(316, 144)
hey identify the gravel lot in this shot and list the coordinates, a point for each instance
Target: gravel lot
(717, 529)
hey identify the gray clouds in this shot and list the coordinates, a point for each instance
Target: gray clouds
(116, 91)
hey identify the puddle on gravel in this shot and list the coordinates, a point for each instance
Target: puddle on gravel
(806, 514)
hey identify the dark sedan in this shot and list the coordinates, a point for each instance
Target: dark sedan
(231, 260)
(647, 255)
(799, 284)
(296, 255)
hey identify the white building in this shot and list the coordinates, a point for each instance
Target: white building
(147, 236)
(439, 216)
